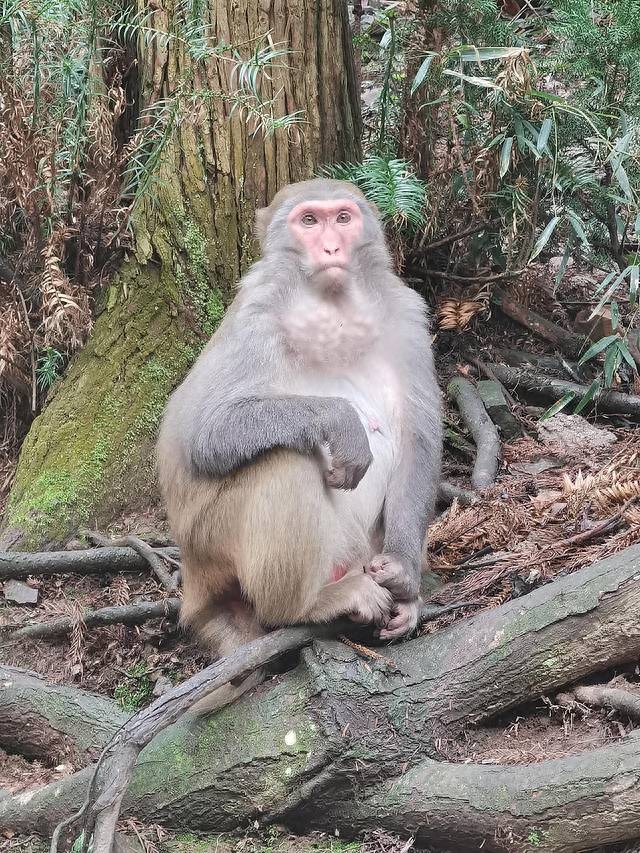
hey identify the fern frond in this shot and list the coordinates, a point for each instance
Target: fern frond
(390, 184)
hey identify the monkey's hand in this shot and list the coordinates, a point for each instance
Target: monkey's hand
(374, 604)
(404, 620)
(392, 572)
(348, 446)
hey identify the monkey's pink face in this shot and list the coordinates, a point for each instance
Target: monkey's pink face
(327, 232)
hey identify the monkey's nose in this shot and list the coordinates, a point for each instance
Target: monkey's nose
(331, 251)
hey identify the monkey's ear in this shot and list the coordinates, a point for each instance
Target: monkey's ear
(263, 218)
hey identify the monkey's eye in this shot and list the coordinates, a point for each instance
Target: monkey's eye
(343, 218)
(309, 219)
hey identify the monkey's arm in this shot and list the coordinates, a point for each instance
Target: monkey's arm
(227, 435)
(411, 496)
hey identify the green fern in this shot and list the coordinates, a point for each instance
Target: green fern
(390, 184)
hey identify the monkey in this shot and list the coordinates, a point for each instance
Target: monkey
(299, 460)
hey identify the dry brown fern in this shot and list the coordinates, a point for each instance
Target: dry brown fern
(456, 314)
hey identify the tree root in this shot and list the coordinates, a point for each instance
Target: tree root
(562, 805)
(316, 743)
(448, 492)
(51, 721)
(484, 431)
(124, 614)
(154, 560)
(87, 561)
(602, 696)
(546, 387)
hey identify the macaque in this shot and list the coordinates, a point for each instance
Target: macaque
(300, 458)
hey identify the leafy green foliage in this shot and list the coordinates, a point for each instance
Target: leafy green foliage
(77, 158)
(389, 184)
(136, 689)
(49, 367)
(522, 158)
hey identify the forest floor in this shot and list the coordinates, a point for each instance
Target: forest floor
(564, 497)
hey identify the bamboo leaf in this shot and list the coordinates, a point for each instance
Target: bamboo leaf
(576, 224)
(505, 155)
(562, 403)
(615, 314)
(544, 238)
(634, 277)
(611, 364)
(609, 292)
(596, 348)
(470, 53)
(588, 397)
(623, 180)
(543, 136)
(483, 82)
(623, 346)
(422, 72)
(565, 260)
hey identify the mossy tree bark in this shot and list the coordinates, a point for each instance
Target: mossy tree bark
(351, 745)
(88, 456)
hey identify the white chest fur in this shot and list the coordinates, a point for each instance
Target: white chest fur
(335, 350)
(330, 333)
(373, 390)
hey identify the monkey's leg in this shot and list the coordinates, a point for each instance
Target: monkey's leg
(223, 627)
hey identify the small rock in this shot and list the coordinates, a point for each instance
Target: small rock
(162, 685)
(537, 467)
(371, 96)
(492, 396)
(20, 593)
(575, 434)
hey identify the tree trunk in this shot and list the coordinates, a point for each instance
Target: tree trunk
(347, 744)
(88, 456)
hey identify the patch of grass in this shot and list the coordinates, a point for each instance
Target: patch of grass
(137, 688)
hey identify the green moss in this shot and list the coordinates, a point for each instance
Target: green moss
(136, 689)
(91, 451)
(194, 278)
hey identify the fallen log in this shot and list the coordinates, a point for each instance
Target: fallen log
(484, 431)
(314, 748)
(568, 342)
(121, 614)
(549, 388)
(540, 363)
(87, 561)
(53, 722)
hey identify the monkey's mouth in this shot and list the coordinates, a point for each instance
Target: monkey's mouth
(332, 266)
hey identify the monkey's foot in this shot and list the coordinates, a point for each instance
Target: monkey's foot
(404, 619)
(373, 604)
